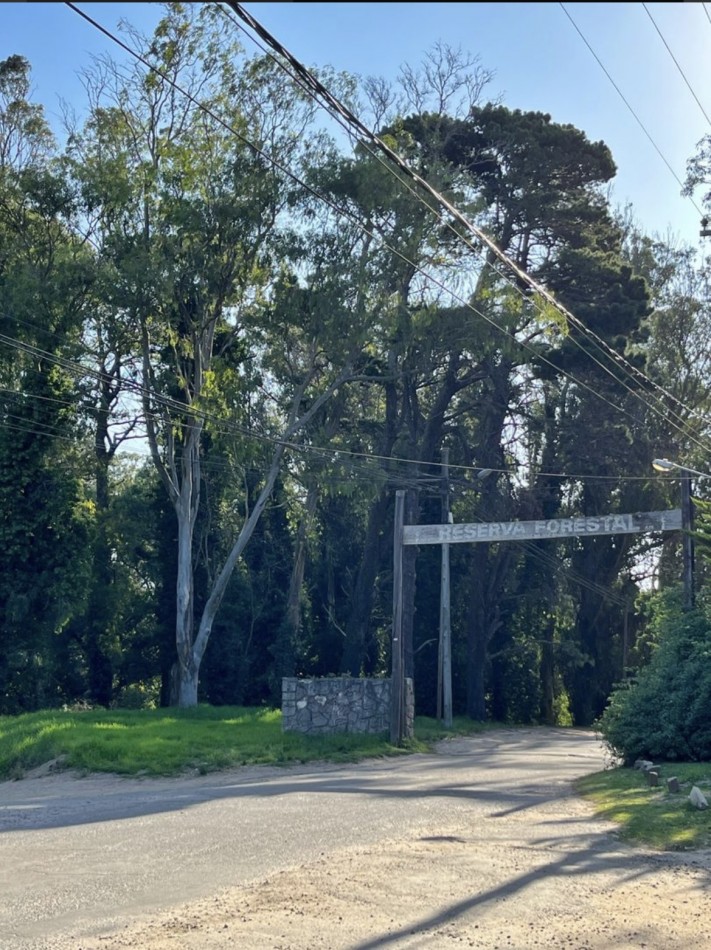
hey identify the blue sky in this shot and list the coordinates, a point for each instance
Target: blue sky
(539, 60)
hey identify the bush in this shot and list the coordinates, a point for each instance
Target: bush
(143, 695)
(666, 713)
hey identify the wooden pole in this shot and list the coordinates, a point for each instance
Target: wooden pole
(687, 526)
(397, 684)
(439, 672)
(445, 629)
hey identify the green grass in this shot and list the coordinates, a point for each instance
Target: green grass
(175, 741)
(649, 816)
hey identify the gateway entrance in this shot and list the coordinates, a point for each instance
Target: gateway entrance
(490, 532)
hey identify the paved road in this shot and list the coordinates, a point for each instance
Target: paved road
(82, 856)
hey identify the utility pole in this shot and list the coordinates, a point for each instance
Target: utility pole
(687, 527)
(397, 682)
(444, 684)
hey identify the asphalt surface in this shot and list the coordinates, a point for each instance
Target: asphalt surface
(81, 856)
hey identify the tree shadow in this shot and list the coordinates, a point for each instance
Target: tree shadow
(595, 857)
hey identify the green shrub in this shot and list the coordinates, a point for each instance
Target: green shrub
(143, 695)
(665, 714)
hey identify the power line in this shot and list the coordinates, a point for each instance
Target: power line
(602, 344)
(393, 479)
(418, 482)
(226, 426)
(632, 111)
(401, 164)
(338, 111)
(346, 213)
(676, 63)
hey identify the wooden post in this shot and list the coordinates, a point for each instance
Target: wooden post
(439, 676)
(409, 574)
(445, 629)
(687, 526)
(397, 683)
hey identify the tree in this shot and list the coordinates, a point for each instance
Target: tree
(188, 212)
(539, 190)
(664, 713)
(47, 525)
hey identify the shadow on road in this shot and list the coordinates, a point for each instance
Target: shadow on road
(63, 801)
(595, 855)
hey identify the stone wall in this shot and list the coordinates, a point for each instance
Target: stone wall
(340, 704)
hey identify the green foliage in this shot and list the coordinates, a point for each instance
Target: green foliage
(562, 716)
(47, 532)
(666, 712)
(233, 292)
(142, 695)
(702, 525)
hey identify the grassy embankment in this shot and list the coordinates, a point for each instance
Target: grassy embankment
(654, 817)
(175, 741)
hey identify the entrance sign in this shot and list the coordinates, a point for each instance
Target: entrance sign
(492, 531)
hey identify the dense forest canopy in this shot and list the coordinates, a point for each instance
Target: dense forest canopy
(227, 340)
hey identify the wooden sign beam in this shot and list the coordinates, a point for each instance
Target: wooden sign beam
(555, 528)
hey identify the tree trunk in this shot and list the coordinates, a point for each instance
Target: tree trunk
(184, 620)
(100, 601)
(292, 620)
(293, 600)
(596, 627)
(362, 601)
(547, 675)
(188, 685)
(289, 632)
(476, 670)
(486, 578)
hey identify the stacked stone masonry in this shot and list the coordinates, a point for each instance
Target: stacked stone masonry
(340, 704)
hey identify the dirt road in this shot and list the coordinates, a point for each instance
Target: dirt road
(480, 845)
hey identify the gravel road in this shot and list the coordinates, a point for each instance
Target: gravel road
(481, 844)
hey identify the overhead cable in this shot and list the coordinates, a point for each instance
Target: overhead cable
(311, 84)
(632, 111)
(676, 63)
(344, 212)
(315, 83)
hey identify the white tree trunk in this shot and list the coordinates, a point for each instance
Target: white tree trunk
(184, 620)
(186, 510)
(188, 685)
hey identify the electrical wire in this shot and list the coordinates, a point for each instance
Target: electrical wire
(226, 427)
(394, 481)
(632, 111)
(346, 213)
(676, 63)
(342, 211)
(362, 130)
(419, 483)
(602, 345)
